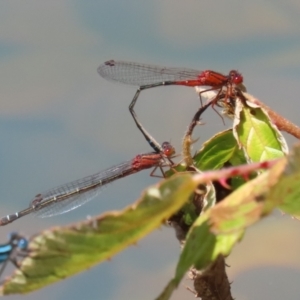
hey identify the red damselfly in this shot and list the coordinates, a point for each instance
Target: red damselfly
(69, 196)
(149, 76)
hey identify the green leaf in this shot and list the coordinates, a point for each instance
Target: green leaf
(216, 151)
(256, 134)
(221, 150)
(286, 193)
(243, 207)
(64, 251)
(217, 230)
(201, 248)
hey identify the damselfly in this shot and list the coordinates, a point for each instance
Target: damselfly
(69, 196)
(149, 76)
(16, 245)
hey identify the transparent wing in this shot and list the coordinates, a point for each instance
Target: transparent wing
(142, 74)
(69, 196)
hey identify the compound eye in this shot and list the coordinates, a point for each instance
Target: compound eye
(168, 152)
(23, 244)
(168, 149)
(236, 77)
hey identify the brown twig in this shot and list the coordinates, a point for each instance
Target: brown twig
(212, 283)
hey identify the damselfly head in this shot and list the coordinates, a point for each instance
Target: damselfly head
(168, 149)
(22, 243)
(236, 77)
(18, 241)
(110, 63)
